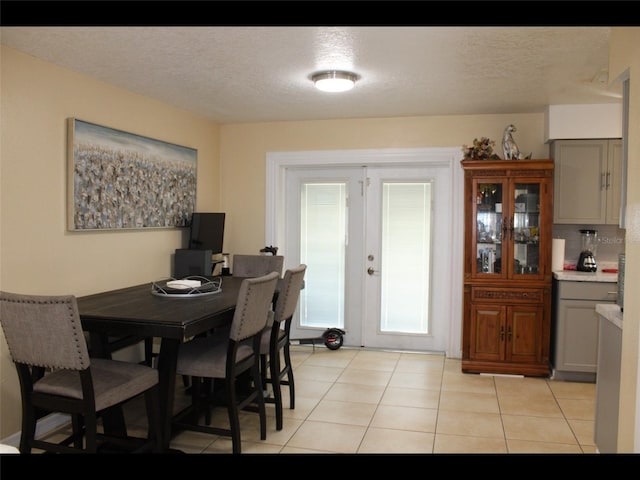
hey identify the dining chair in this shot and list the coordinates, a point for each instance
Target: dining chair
(56, 374)
(234, 360)
(275, 341)
(245, 265)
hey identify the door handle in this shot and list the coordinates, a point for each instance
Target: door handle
(371, 271)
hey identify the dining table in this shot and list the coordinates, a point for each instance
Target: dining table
(144, 312)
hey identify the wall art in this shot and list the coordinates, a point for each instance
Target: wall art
(120, 180)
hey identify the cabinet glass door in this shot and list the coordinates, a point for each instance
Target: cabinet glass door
(489, 224)
(526, 229)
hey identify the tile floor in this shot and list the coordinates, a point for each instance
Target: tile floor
(369, 401)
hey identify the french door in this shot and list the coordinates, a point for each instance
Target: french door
(377, 241)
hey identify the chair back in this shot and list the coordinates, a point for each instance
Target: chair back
(257, 265)
(44, 331)
(253, 306)
(289, 293)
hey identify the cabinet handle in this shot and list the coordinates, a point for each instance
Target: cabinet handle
(602, 181)
(502, 334)
(608, 176)
(509, 335)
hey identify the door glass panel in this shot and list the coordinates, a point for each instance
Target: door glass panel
(406, 257)
(323, 220)
(489, 222)
(526, 229)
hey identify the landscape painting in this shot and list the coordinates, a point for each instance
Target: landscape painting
(119, 180)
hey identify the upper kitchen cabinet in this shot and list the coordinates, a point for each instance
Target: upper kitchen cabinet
(507, 266)
(588, 179)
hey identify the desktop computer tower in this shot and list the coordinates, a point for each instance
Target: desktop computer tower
(189, 262)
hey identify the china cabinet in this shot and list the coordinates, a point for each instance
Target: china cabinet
(507, 266)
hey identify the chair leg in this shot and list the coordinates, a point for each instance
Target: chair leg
(290, 382)
(262, 411)
(232, 412)
(28, 428)
(263, 371)
(77, 427)
(274, 364)
(91, 433)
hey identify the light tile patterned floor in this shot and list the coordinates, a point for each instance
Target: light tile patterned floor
(370, 401)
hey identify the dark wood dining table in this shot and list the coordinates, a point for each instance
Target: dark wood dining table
(174, 319)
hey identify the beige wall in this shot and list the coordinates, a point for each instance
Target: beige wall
(624, 55)
(244, 148)
(37, 254)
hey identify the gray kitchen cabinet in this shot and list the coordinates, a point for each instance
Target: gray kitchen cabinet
(587, 181)
(574, 354)
(608, 384)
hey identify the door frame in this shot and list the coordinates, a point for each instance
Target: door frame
(278, 162)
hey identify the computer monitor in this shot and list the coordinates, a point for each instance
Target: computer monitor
(207, 231)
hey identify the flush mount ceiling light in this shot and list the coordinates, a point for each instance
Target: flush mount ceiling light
(334, 81)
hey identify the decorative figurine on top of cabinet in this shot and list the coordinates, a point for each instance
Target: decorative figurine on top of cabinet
(509, 146)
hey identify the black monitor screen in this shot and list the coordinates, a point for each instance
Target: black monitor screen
(207, 232)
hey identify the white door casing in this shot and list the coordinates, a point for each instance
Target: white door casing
(450, 195)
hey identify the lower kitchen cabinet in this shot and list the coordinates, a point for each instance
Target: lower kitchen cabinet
(608, 382)
(574, 349)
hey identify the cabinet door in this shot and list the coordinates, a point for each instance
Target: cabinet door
(487, 233)
(580, 195)
(487, 332)
(524, 334)
(614, 181)
(576, 343)
(526, 228)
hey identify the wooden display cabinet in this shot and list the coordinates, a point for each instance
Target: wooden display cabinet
(507, 266)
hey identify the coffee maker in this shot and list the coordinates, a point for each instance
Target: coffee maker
(587, 260)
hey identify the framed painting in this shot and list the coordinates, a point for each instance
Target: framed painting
(119, 180)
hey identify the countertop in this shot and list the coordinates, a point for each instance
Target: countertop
(611, 312)
(575, 276)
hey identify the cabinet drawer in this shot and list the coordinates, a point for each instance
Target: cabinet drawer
(507, 295)
(604, 291)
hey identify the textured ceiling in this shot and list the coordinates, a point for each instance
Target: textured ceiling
(255, 74)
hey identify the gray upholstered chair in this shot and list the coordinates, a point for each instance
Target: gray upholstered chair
(275, 340)
(227, 357)
(256, 265)
(56, 374)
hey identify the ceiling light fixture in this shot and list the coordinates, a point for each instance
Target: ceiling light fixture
(334, 81)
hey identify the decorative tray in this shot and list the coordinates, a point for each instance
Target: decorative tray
(188, 287)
